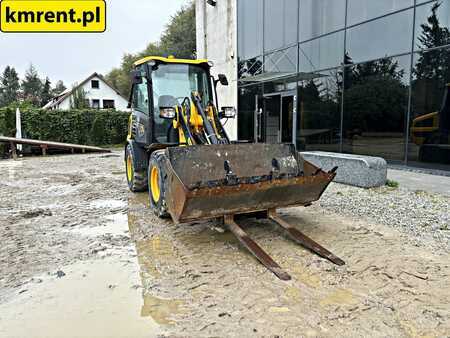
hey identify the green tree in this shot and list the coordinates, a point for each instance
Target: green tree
(377, 99)
(432, 69)
(78, 99)
(32, 86)
(46, 94)
(9, 87)
(178, 39)
(59, 88)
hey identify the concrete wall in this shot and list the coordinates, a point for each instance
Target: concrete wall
(216, 41)
(105, 92)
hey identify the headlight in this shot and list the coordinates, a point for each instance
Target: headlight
(228, 112)
(167, 113)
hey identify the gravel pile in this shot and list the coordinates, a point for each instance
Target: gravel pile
(424, 215)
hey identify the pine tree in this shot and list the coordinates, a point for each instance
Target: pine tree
(59, 88)
(32, 86)
(46, 94)
(432, 69)
(9, 87)
(433, 64)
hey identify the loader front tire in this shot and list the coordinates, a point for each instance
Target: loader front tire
(157, 177)
(137, 181)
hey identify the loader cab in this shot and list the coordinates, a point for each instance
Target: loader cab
(155, 79)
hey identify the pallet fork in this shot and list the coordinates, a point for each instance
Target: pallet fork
(295, 234)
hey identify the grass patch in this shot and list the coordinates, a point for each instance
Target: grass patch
(392, 184)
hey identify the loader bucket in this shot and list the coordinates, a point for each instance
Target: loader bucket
(209, 181)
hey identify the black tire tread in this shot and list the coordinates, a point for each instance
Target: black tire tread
(160, 208)
(139, 182)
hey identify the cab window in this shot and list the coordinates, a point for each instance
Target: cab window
(140, 96)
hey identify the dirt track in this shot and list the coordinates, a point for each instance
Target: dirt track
(80, 255)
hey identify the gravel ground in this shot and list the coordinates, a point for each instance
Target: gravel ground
(425, 216)
(62, 212)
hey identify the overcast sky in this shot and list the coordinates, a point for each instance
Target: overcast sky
(71, 57)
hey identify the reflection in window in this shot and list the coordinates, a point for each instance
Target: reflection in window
(281, 63)
(318, 17)
(108, 104)
(247, 98)
(321, 53)
(375, 107)
(140, 96)
(362, 10)
(319, 106)
(430, 108)
(250, 23)
(386, 36)
(280, 23)
(250, 67)
(432, 27)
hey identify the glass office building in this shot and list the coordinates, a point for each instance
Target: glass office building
(355, 76)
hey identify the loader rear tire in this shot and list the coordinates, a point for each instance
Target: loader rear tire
(157, 183)
(137, 181)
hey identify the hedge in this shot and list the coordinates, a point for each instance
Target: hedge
(91, 127)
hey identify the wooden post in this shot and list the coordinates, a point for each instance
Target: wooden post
(13, 150)
(44, 150)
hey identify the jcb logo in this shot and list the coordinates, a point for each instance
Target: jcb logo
(52, 16)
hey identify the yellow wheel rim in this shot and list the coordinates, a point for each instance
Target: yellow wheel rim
(129, 168)
(154, 184)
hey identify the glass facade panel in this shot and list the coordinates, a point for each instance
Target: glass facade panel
(318, 17)
(281, 63)
(250, 67)
(362, 10)
(352, 88)
(429, 131)
(321, 53)
(250, 32)
(319, 107)
(280, 23)
(247, 101)
(432, 27)
(375, 107)
(389, 35)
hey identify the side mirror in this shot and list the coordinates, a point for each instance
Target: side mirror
(136, 77)
(228, 113)
(167, 104)
(223, 79)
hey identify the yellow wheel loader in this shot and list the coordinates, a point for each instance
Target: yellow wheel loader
(431, 132)
(178, 150)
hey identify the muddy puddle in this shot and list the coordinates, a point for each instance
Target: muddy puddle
(115, 225)
(127, 273)
(100, 298)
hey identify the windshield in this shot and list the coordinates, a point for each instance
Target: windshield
(179, 81)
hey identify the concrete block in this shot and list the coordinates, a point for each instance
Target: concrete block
(356, 170)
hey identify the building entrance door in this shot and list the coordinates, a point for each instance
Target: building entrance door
(276, 117)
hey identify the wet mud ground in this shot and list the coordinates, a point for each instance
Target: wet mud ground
(81, 256)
